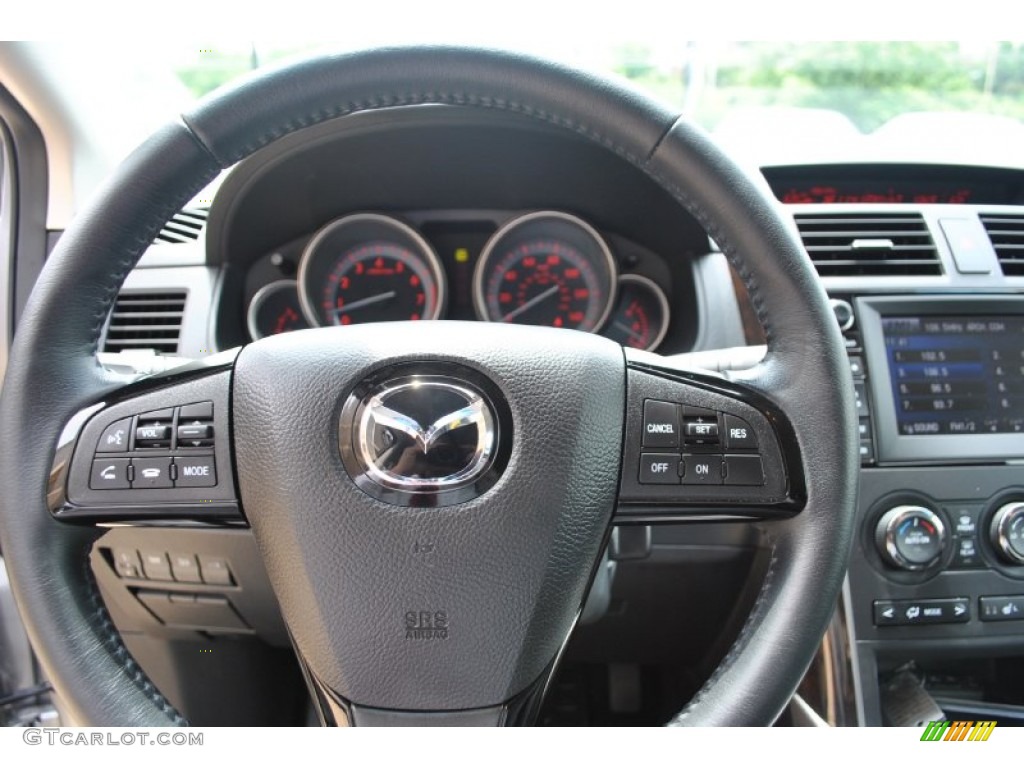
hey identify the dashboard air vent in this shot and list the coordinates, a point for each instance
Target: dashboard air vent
(1006, 232)
(185, 225)
(146, 320)
(869, 244)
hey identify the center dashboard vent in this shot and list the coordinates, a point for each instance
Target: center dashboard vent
(184, 226)
(146, 320)
(869, 244)
(1006, 232)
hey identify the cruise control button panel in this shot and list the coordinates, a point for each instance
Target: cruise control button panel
(160, 454)
(685, 445)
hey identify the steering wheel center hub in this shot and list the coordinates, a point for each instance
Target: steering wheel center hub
(472, 492)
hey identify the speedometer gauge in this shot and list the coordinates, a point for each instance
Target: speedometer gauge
(545, 268)
(368, 268)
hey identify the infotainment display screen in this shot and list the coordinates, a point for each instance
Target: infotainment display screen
(956, 374)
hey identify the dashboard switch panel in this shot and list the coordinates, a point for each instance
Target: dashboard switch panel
(1001, 608)
(946, 610)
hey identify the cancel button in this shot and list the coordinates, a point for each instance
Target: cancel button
(661, 424)
(195, 472)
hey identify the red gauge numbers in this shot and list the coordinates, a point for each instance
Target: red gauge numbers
(378, 281)
(545, 282)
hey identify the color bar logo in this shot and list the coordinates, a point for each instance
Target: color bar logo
(958, 730)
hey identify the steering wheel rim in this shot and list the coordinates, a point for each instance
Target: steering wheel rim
(53, 370)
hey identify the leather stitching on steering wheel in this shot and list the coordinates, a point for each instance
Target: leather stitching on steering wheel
(725, 244)
(386, 101)
(149, 231)
(112, 640)
(741, 640)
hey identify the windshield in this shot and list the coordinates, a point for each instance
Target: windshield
(769, 103)
(778, 101)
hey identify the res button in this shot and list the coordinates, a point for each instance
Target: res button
(738, 434)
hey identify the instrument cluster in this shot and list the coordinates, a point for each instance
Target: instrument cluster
(539, 268)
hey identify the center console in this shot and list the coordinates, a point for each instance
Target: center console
(936, 582)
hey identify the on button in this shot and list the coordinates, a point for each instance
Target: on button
(702, 469)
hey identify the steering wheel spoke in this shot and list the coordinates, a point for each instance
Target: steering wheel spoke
(698, 446)
(155, 450)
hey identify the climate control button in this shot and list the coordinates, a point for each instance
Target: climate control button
(910, 537)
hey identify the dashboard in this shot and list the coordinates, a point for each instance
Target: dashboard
(432, 213)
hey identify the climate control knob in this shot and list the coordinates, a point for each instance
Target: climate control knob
(1007, 532)
(910, 537)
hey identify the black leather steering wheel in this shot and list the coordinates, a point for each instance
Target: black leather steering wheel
(516, 556)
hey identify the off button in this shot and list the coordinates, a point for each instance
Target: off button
(659, 468)
(661, 424)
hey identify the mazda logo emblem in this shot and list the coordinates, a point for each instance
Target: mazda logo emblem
(419, 440)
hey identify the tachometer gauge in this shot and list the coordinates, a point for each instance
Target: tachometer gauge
(275, 309)
(640, 316)
(545, 268)
(367, 268)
